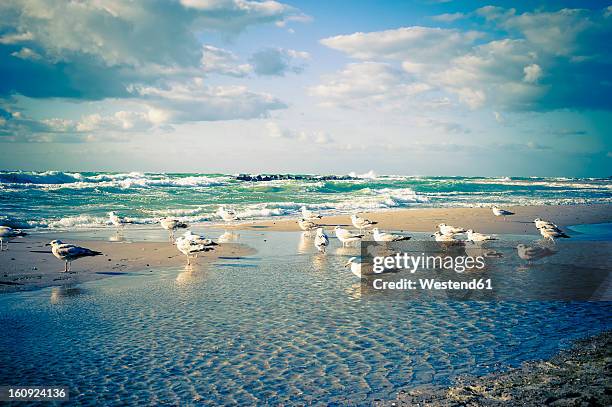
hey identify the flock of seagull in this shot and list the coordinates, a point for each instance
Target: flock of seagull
(191, 244)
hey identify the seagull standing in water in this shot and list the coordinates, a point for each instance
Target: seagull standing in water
(199, 239)
(190, 247)
(117, 220)
(321, 240)
(501, 212)
(308, 214)
(6, 233)
(70, 252)
(387, 237)
(228, 215)
(361, 223)
(552, 233)
(355, 267)
(307, 225)
(346, 236)
(449, 230)
(478, 237)
(171, 225)
(445, 238)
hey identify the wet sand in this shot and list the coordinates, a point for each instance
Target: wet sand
(478, 219)
(576, 377)
(29, 264)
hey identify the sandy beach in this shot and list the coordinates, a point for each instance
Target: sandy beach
(29, 264)
(479, 219)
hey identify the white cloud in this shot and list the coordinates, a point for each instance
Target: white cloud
(449, 17)
(220, 61)
(195, 101)
(414, 44)
(547, 60)
(274, 130)
(368, 84)
(26, 53)
(532, 72)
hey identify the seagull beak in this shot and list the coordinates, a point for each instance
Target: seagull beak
(47, 244)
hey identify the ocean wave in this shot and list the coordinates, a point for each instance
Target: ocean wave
(51, 180)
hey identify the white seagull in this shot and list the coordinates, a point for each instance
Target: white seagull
(478, 237)
(346, 236)
(387, 237)
(171, 225)
(189, 247)
(541, 223)
(361, 223)
(449, 230)
(199, 239)
(117, 220)
(228, 215)
(307, 225)
(6, 233)
(552, 233)
(501, 212)
(355, 267)
(445, 238)
(530, 253)
(70, 252)
(308, 214)
(321, 240)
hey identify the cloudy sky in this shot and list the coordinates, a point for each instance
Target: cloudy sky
(422, 87)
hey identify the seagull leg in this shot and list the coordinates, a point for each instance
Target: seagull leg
(66, 267)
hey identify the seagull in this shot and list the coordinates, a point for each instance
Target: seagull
(346, 236)
(308, 214)
(171, 225)
(552, 233)
(501, 212)
(361, 223)
(355, 267)
(540, 223)
(199, 239)
(449, 230)
(530, 253)
(117, 220)
(70, 252)
(478, 237)
(188, 247)
(228, 215)
(445, 238)
(307, 225)
(7, 232)
(387, 237)
(321, 240)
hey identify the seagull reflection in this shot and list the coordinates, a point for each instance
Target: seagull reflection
(228, 237)
(320, 261)
(535, 252)
(477, 250)
(117, 237)
(60, 293)
(305, 244)
(354, 291)
(191, 274)
(348, 251)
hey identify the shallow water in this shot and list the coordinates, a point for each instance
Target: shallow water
(282, 326)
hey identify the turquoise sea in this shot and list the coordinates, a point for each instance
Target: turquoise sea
(69, 200)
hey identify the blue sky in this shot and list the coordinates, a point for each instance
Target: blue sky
(421, 87)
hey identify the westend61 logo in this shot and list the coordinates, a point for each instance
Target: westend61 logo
(414, 270)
